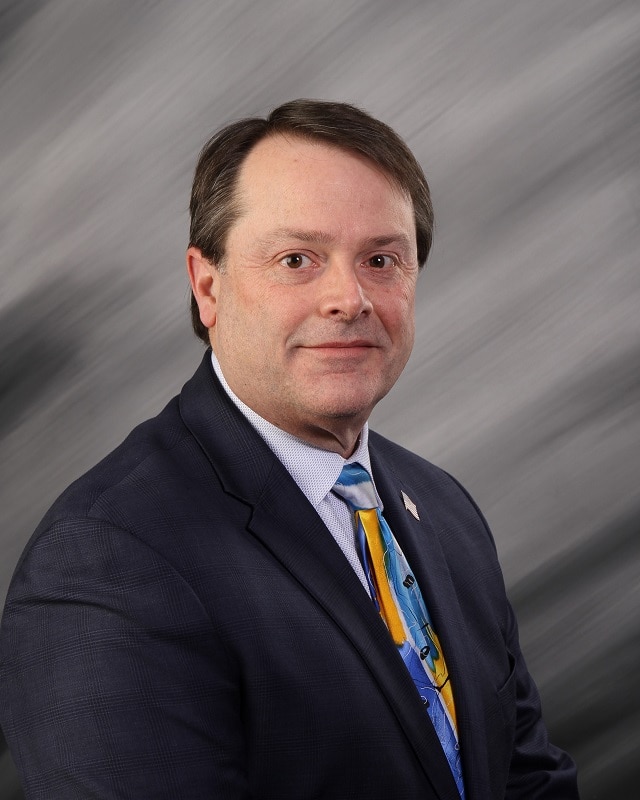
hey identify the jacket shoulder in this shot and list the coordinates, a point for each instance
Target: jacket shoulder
(401, 460)
(446, 495)
(398, 455)
(126, 483)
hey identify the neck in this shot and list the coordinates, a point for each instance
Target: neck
(337, 434)
(337, 438)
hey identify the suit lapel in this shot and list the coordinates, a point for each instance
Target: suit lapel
(420, 543)
(289, 527)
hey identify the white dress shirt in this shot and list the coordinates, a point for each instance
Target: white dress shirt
(315, 471)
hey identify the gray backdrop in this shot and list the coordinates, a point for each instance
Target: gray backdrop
(525, 377)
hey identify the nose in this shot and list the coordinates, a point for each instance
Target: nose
(343, 295)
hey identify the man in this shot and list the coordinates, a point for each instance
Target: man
(212, 612)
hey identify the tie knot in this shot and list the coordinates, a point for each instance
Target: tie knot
(354, 485)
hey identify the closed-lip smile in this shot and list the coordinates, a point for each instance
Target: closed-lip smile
(340, 345)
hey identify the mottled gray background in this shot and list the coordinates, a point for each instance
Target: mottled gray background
(525, 377)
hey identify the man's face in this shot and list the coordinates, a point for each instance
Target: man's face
(312, 313)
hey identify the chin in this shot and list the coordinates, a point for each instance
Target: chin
(346, 408)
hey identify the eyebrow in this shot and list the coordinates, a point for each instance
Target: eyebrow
(322, 237)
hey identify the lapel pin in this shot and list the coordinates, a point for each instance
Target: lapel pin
(410, 505)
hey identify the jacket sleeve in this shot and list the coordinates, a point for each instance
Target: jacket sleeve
(113, 683)
(538, 768)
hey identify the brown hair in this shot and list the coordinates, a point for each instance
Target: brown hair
(214, 206)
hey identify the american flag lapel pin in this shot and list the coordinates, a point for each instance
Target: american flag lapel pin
(410, 505)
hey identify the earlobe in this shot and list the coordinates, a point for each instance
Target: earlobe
(203, 276)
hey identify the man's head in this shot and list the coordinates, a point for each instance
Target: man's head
(303, 270)
(214, 203)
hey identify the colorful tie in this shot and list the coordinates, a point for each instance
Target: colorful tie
(398, 598)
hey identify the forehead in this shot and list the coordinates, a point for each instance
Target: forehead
(291, 176)
(285, 147)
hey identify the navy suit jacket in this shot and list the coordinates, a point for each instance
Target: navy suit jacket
(183, 625)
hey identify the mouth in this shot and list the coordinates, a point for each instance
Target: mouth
(340, 354)
(355, 344)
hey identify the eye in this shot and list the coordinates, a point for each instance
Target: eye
(296, 261)
(380, 261)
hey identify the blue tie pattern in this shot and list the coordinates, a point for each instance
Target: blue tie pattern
(420, 650)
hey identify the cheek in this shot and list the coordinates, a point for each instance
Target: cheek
(399, 318)
(260, 325)
(241, 308)
(234, 327)
(285, 312)
(408, 312)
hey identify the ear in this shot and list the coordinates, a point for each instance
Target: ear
(205, 281)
